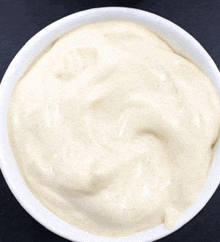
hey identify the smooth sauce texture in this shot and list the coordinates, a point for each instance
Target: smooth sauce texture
(113, 131)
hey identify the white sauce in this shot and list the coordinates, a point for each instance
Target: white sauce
(113, 131)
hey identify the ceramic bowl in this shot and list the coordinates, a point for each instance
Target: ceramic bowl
(175, 36)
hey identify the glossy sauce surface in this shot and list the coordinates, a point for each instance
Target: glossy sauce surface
(113, 131)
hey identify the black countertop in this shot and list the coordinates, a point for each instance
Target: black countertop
(21, 19)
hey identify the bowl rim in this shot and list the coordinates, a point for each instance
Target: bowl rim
(11, 174)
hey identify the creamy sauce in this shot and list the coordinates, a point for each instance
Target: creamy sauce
(113, 131)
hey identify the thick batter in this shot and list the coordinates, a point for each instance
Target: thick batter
(113, 131)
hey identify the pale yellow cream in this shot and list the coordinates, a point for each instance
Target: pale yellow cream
(113, 131)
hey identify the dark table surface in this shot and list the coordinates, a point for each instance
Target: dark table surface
(21, 19)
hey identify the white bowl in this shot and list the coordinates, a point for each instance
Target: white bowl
(178, 39)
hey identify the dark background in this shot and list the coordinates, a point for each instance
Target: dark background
(21, 19)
